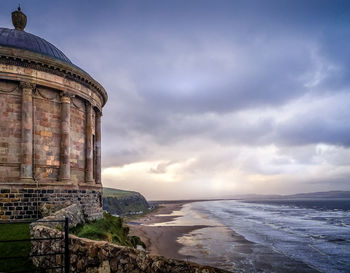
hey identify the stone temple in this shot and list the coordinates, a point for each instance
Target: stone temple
(50, 128)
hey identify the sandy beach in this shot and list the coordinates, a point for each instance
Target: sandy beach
(175, 230)
(162, 240)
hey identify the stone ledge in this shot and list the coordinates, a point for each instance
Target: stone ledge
(100, 256)
(74, 212)
(53, 185)
(25, 58)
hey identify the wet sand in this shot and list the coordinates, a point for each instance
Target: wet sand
(248, 257)
(162, 240)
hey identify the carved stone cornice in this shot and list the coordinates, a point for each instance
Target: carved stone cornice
(27, 59)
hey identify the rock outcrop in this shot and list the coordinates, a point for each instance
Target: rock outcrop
(118, 202)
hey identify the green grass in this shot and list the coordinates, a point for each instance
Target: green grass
(134, 207)
(123, 202)
(109, 192)
(129, 218)
(109, 228)
(15, 232)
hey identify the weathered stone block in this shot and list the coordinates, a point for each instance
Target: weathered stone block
(31, 130)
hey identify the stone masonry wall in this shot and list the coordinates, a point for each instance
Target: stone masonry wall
(47, 134)
(30, 203)
(77, 140)
(10, 131)
(99, 256)
(22, 199)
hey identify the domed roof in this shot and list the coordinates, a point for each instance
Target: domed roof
(24, 40)
(21, 48)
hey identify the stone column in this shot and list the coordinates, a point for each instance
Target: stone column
(27, 131)
(65, 138)
(98, 146)
(89, 149)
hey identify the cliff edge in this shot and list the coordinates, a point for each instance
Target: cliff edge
(122, 203)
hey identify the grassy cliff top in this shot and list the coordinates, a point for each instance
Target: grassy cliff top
(109, 192)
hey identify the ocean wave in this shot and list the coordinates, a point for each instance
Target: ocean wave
(318, 237)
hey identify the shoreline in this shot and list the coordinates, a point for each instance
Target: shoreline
(199, 243)
(162, 240)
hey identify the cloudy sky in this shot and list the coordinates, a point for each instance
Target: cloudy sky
(212, 98)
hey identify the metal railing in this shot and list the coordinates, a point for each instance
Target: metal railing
(63, 251)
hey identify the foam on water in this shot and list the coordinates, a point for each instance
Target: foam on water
(317, 237)
(186, 217)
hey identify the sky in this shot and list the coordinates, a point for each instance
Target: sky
(209, 99)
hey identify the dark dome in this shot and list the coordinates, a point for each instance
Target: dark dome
(23, 40)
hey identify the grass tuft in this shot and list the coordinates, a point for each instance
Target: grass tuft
(110, 229)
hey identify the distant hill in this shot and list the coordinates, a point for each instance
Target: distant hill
(326, 194)
(315, 195)
(123, 202)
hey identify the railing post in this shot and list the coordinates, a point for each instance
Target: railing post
(66, 245)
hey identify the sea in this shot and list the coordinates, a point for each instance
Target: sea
(268, 235)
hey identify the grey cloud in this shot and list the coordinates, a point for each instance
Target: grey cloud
(161, 167)
(304, 130)
(180, 72)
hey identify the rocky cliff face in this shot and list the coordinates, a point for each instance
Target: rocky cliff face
(124, 202)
